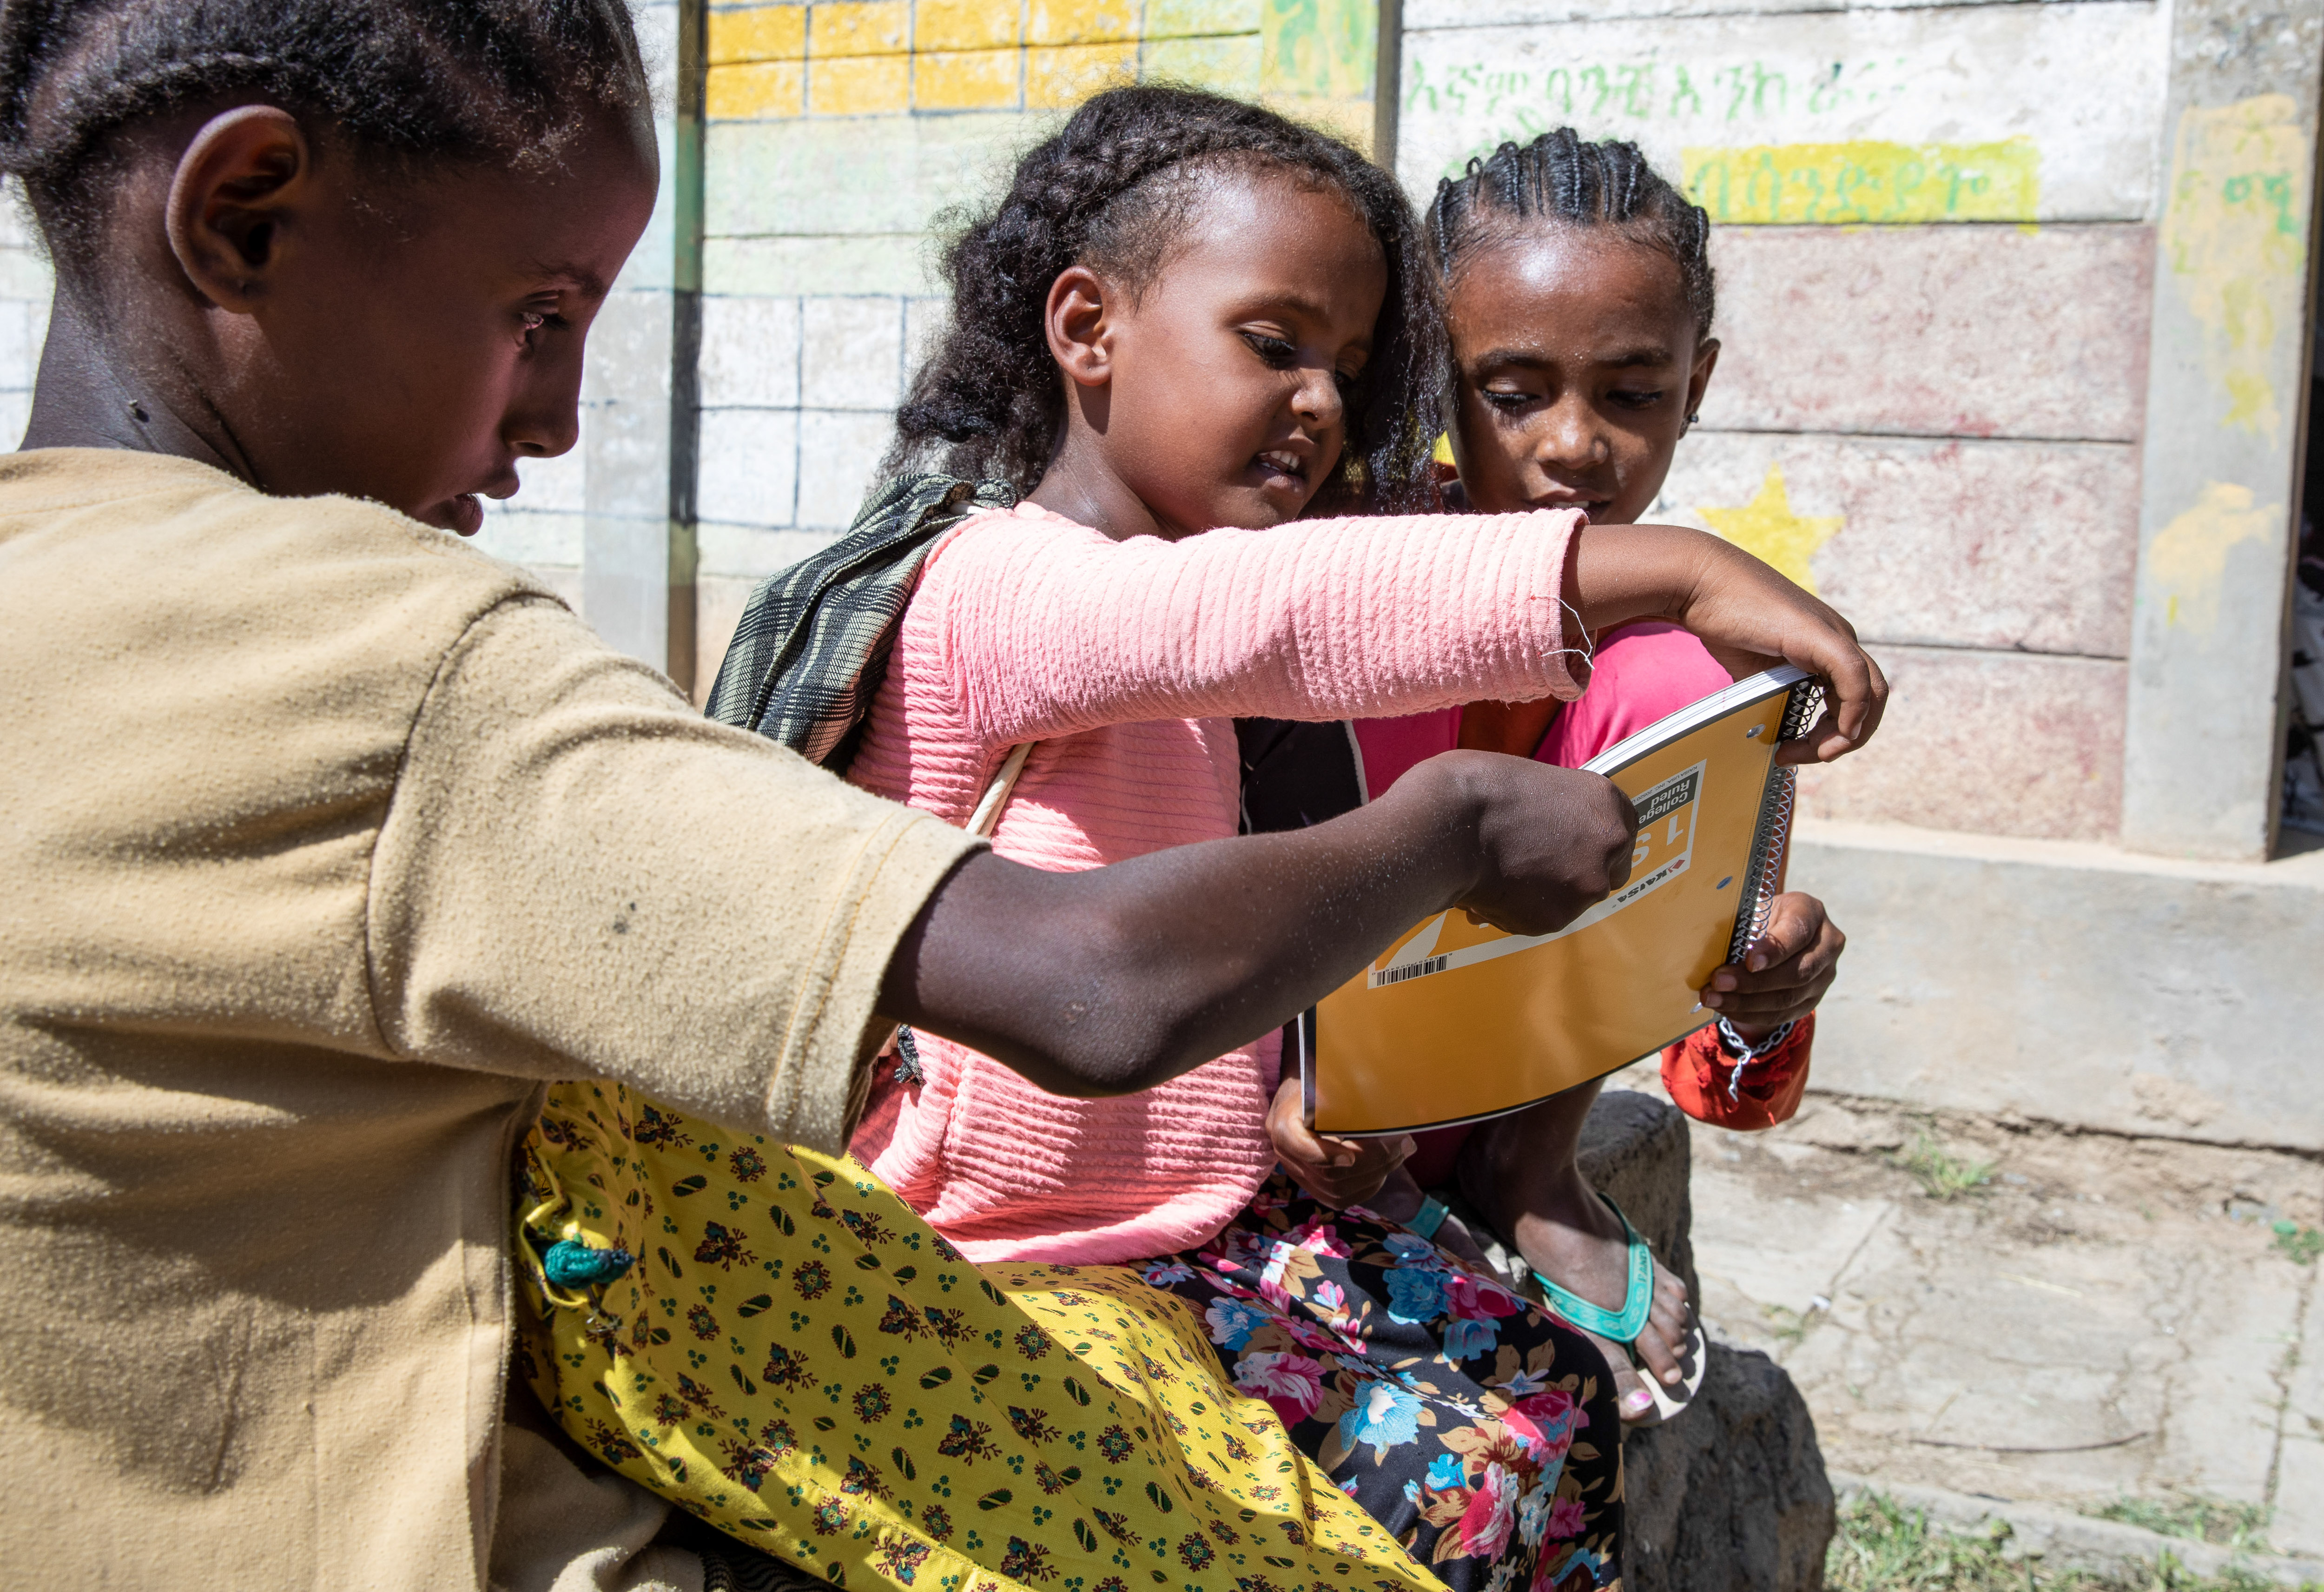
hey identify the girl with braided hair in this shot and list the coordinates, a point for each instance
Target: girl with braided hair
(1200, 336)
(1579, 297)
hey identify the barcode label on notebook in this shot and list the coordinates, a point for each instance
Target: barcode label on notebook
(1410, 969)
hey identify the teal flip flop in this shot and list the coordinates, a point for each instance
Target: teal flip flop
(1623, 1326)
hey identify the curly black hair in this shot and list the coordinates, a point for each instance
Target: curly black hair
(1108, 191)
(1558, 177)
(412, 81)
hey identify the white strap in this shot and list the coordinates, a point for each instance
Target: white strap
(981, 823)
(987, 817)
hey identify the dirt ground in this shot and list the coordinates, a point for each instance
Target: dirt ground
(2102, 1318)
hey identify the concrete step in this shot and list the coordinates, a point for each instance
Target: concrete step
(2065, 1540)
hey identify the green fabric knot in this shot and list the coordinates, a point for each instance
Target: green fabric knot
(571, 1264)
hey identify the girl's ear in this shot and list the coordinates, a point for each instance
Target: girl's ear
(1080, 326)
(237, 188)
(1706, 360)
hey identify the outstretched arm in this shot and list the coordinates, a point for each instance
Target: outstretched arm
(1048, 630)
(1114, 979)
(1055, 630)
(1750, 617)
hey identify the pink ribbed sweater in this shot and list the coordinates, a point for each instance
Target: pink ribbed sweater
(1128, 662)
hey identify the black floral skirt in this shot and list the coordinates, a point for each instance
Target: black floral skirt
(1481, 1432)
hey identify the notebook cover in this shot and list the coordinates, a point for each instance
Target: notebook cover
(1457, 1021)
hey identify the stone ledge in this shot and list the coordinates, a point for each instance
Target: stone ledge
(2104, 1546)
(1732, 1495)
(2303, 872)
(2072, 983)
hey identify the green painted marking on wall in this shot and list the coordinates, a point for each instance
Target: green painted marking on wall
(2235, 240)
(1179, 19)
(1319, 49)
(1700, 93)
(1224, 64)
(1865, 181)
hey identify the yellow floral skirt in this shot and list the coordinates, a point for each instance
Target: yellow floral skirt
(794, 1356)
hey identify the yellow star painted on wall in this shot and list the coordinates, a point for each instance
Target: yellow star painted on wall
(1765, 527)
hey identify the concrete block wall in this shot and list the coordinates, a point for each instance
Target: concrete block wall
(597, 524)
(1934, 240)
(23, 313)
(541, 526)
(838, 134)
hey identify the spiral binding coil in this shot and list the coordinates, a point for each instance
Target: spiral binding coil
(1768, 844)
(1768, 848)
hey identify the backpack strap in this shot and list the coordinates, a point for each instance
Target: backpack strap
(987, 817)
(981, 823)
(812, 648)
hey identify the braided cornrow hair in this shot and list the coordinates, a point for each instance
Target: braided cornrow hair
(412, 81)
(1108, 191)
(1559, 178)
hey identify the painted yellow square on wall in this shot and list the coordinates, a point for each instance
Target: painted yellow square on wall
(1067, 75)
(966, 80)
(762, 32)
(1080, 22)
(1864, 183)
(853, 58)
(859, 86)
(964, 24)
(858, 27)
(755, 90)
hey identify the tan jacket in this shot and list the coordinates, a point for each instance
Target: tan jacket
(323, 839)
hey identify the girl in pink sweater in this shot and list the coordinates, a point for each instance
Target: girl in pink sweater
(1188, 325)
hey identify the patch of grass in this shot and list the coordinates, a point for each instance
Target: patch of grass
(1941, 1174)
(1785, 1324)
(1881, 1546)
(2198, 1520)
(2303, 1245)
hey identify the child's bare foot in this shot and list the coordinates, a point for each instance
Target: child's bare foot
(1577, 1242)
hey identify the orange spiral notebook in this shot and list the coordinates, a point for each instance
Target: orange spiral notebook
(1459, 1021)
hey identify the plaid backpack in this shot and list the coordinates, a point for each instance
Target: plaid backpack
(809, 658)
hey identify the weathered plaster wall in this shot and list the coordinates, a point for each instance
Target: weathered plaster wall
(836, 135)
(1934, 246)
(600, 523)
(2226, 402)
(23, 314)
